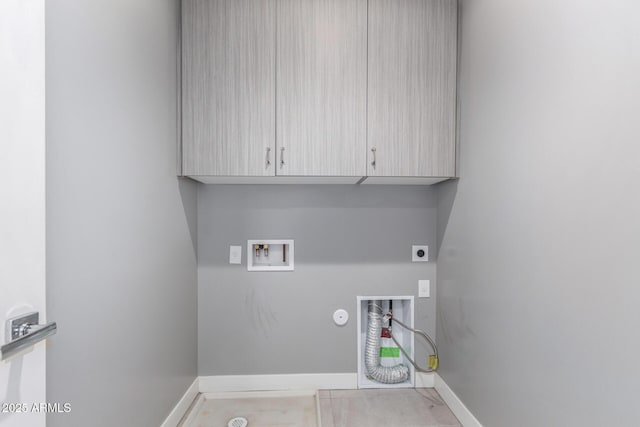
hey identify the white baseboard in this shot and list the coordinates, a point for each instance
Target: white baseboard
(345, 381)
(227, 383)
(458, 408)
(183, 405)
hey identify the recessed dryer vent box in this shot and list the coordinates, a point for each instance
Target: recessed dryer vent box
(390, 354)
(270, 255)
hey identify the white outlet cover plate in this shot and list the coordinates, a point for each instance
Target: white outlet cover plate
(414, 253)
(424, 288)
(235, 254)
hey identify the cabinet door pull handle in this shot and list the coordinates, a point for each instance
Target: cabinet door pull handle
(268, 156)
(281, 157)
(373, 163)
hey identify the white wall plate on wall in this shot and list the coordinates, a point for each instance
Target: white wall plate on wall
(340, 317)
(419, 253)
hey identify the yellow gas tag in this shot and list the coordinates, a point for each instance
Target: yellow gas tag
(433, 362)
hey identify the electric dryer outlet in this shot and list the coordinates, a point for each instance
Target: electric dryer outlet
(419, 253)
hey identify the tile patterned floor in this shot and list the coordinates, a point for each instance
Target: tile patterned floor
(421, 407)
(294, 411)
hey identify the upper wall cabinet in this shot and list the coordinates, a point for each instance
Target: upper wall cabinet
(229, 93)
(322, 87)
(321, 90)
(412, 88)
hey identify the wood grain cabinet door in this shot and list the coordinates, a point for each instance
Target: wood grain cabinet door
(228, 87)
(412, 88)
(321, 87)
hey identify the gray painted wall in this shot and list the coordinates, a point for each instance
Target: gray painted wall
(538, 272)
(121, 264)
(349, 241)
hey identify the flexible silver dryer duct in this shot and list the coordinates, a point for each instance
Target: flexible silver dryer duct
(382, 374)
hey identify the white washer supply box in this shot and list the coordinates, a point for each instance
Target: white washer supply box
(270, 255)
